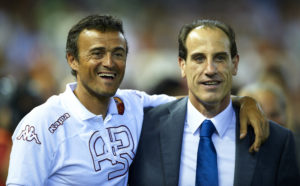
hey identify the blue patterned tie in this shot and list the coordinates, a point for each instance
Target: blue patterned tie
(207, 169)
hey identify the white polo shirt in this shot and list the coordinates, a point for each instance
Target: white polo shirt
(61, 143)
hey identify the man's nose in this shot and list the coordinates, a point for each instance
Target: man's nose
(211, 67)
(107, 61)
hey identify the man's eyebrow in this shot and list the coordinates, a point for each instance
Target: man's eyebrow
(197, 54)
(221, 53)
(97, 49)
(103, 49)
(119, 48)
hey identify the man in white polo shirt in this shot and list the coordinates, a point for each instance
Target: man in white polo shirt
(87, 135)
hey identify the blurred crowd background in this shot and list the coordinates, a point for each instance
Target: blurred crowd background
(32, 50)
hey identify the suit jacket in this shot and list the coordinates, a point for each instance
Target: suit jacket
(157, 161)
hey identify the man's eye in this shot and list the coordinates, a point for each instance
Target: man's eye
(97, 55)
(119, 55)
(220, 58)
(199, 58)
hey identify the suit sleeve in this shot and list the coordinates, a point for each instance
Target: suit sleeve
(288, 172)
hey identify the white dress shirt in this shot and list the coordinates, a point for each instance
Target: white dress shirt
(223, 139)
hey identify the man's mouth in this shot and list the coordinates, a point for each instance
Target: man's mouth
(211, 83)
(107, 75)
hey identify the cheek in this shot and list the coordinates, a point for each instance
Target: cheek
(190, 74)
(226, 75)
(228, 78)
(225, 70)
(194, 71)
(122, 66)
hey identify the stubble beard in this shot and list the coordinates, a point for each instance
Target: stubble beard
(100, 95)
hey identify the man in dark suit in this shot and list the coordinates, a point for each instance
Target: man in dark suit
(168, 152)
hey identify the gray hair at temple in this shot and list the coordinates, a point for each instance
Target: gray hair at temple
(271, 98)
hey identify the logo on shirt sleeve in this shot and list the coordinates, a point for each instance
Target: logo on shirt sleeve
(120, 105)
(28, 134)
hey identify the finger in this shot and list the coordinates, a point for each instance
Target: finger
(251, 149)
(243, 125)
(243, 128)
(257, 144)
(266, 130)
(263, 128)
(258, 140)
(264, 124)
(258, 137)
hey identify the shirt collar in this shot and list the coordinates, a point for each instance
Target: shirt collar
(76, 107)
(195, 118)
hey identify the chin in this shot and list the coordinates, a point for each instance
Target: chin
(212, 101)
(100, 93)
(108, 93)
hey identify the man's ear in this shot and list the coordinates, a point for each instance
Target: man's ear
(181, 63)
(72, 62)
(235, 62)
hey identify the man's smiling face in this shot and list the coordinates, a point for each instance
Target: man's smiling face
(208, 67)
(101, 62)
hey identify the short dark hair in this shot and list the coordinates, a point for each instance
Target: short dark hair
(186, 29)
(102, 23)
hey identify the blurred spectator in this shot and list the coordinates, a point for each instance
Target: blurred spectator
(274, 74)
(5, 141)
(274, 103)
(6, 117)
(170, 87)
(16, 100)
(271, 98)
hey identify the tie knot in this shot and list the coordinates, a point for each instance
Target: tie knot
(207, 128)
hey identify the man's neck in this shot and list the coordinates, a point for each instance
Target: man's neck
(96, 105)
(210, 110)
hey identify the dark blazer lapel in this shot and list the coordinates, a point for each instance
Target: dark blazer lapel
(171, 134)
(245, 162)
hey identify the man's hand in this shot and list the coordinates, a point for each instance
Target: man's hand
(251, 113)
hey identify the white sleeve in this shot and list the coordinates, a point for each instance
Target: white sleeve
(29, 159)
(153, 100)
